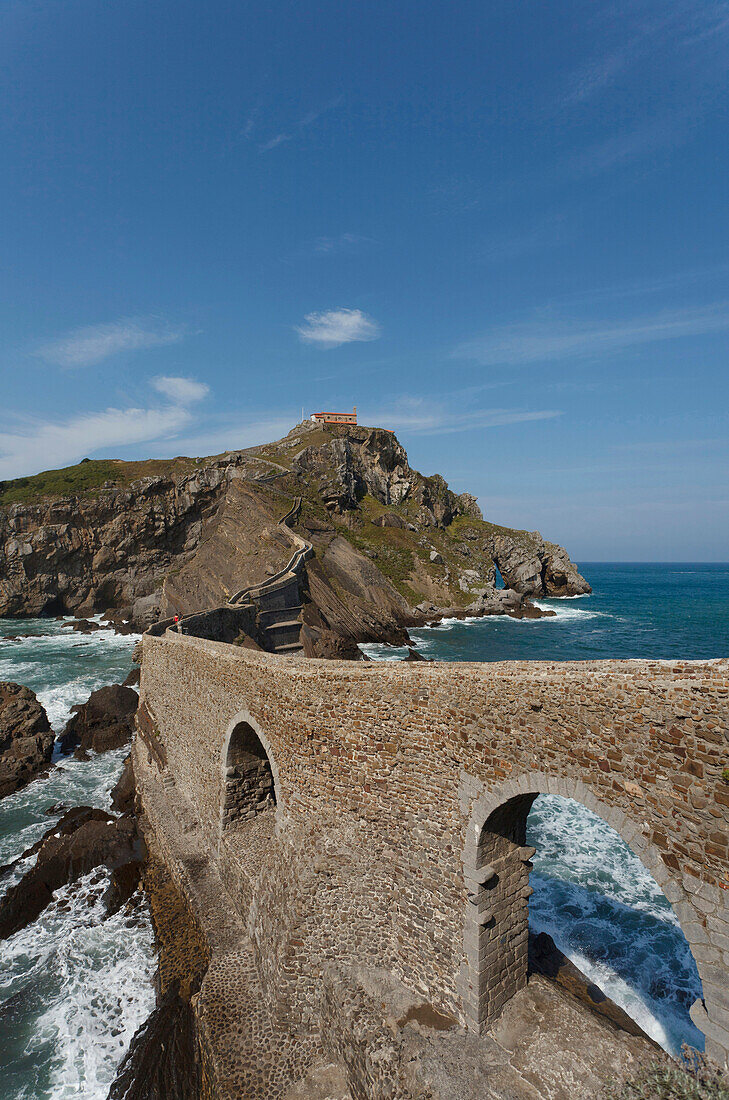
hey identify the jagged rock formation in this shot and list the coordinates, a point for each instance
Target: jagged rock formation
(161, 1063)
(105, 721)
(533, 566)
(386, 539)
(26, 737)
(84, 838)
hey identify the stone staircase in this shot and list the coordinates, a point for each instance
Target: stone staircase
(275, 603)
(278, 599)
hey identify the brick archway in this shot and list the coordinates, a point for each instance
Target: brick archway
(497, 863)
(250, 777)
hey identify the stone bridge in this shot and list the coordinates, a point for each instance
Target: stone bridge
(374, 813)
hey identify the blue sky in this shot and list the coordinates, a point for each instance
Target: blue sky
(500, 229)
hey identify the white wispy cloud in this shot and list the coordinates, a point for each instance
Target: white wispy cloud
(669, 29)
(334, 327)
(44, 445)
(538, 340)
(84, 347)
(598, 73)
(629, 145)
(546, 233)
(345, 242)
(274, 142)
(230, 432)
(431, 415)
(249, 126)
(182, 391)
(296, 129)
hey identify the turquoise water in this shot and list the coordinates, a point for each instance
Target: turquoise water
(591, 893)
(659, 610)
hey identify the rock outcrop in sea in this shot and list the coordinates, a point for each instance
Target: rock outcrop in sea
(105, 721)
(83, 839)
(26, 737)
(390, 545)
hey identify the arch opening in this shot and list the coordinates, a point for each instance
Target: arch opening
(545, 863)
(249, 787)
(604, 909)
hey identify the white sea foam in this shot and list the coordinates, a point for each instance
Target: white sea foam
(23, 819)
(73, 986)
(577, 596)
(606, 912)
(426, 639)
(564, 614)
(63, 667)
(89, 980)
(378, 651)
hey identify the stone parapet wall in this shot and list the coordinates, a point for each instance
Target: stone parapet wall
(411, 761)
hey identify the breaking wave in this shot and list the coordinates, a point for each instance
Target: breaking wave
(74, 986)
(605, 911)
(84, 985)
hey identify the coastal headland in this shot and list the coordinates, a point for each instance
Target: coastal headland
(336, 848)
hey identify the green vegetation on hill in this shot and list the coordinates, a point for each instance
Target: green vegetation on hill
(88, 478)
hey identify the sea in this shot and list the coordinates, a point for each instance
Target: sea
(74, 987)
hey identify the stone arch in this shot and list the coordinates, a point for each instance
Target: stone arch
(497, 863)
(250, 780)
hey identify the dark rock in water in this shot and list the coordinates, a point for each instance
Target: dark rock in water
(55, 808)
(81, 754)
(122, 793)
(162, 1063)
(105, 721)
(133, 678)
(124, 881)
(120, 619)
(26, 737)
(529, 611)
(84, 626)
(413, 655)
(83, 839)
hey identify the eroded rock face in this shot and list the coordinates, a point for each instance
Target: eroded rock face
(86, 554)
(124, 790)
(370, 460)
(26, 737)
(188, 542)
(105, 721)
(534, 567)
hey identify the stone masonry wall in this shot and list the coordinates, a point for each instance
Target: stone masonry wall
(386, 775)
(500, 895)
(249, 787)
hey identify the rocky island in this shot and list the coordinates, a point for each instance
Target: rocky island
(391, 548)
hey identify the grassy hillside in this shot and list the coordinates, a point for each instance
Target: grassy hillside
(88, 477)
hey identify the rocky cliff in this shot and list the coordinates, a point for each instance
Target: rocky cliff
(389, 543)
